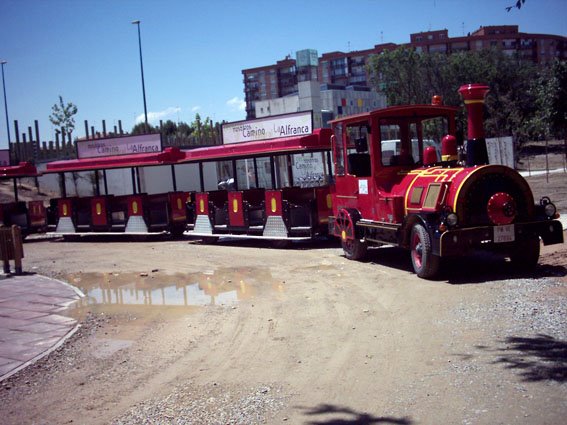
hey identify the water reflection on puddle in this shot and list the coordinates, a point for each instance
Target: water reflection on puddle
(135, 291)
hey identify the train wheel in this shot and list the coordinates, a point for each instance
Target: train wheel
(176, 232)
(280, 243)
(425, 264)
(354, 249)
(526, 255)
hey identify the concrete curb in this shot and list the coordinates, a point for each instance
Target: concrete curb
(42, 355)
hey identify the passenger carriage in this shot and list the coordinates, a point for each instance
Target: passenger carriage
(261, 191)
(133, 213)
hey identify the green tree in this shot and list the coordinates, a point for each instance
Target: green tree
(557, 84)
(198, 132)
(169, 128)
(62, 115)
(408, 77)
(184, 129)
(550, 93)
(141, 128)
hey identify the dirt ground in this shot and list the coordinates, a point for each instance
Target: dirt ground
(180, 332)
(177, 332)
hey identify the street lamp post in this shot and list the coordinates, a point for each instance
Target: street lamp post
(3, 62)
(142, 71)
(5, 102)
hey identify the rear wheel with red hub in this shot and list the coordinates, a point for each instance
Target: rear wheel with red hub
(425, 264)
(354, 247)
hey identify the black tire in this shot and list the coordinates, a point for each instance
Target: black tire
(209, 240)
(280, 243)
(177, 232)
(526, 255)
(354, 249)
(425, 264)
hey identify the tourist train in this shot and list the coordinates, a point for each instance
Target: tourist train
(393, 176)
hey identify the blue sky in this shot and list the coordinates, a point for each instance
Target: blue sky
(194, 51)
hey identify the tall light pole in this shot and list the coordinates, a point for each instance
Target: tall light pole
(6, 103)
(142, 71)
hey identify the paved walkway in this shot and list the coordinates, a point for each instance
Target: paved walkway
(31, 324)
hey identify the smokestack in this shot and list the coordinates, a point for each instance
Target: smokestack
(473, 95)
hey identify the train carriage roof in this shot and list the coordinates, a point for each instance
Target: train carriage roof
(318, 141)
(404, 111)
(166, 157)
(23, 169)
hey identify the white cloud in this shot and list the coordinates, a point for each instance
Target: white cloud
(154, 117)
(195, 108)
(236, 104)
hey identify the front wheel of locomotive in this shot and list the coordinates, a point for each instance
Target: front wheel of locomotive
(526, 255)
(425, 264)
(354, 249)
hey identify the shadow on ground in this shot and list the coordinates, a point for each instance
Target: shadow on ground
(535, 359)
(340, 415)
(476, 267)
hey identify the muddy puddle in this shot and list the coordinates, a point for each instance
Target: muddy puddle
(159, 292)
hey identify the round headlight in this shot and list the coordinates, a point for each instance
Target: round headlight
(549, 209)
(452, 219)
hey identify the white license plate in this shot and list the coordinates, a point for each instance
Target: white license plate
(504, 233)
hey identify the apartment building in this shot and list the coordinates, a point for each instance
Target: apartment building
(350, 69)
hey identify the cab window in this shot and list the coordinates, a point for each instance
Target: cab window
(338, 150)
(358, 156)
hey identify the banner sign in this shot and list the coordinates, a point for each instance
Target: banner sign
(275, 127)
(127, 145)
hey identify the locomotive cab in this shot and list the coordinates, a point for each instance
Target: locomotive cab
(373, 156)
(398, 181)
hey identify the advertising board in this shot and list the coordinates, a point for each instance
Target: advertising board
(274, 127)
(114, 146)
(501, 151)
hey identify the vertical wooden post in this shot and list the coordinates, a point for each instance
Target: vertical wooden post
(120, 126)
(17, 155)
(5, 256)
(104, 128)
(18, 248)
(24, 154)
(86, 130)
(29, 149)
(37, 142)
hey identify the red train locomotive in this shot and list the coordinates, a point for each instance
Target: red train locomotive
(391, 188)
